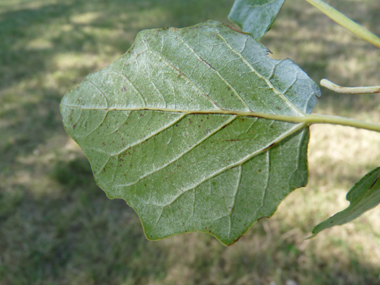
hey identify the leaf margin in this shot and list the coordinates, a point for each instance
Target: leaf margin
(192, 231)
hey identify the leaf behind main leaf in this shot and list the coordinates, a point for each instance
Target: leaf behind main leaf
(364, 196)
(255, 16)
(163, 128)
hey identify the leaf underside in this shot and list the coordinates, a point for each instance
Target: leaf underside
(163, 130)
(364, 196)
(255, 16)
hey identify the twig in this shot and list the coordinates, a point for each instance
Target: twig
(350, 90)
(346, 22)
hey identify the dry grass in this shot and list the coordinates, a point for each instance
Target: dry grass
(57, 226)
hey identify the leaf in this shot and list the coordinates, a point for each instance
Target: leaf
(364, 196)
(178, 127)
(255, 16)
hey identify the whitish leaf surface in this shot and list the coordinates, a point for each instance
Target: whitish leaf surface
(255, 16)
(364, 196)
(172, 128)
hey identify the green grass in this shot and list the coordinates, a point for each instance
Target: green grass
(58, 227)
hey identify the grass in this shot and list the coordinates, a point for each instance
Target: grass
(58, 227)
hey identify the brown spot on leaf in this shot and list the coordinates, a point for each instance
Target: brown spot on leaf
(235, 241)
(259, 219)
(236, 30)
(232, 140)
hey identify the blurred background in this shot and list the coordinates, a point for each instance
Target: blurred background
(58, 227)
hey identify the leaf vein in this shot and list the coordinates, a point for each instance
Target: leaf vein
(168, 63)
(234, 201)
(261, 76)
(182, 154)
(130, 82)
(242, 161)
(216, 71)
(101, 92)
(151, 135)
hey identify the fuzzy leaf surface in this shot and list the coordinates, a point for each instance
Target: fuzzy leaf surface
(364, 196)
(255, 16)
(172, 127)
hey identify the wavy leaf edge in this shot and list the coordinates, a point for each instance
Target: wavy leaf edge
(69, 111)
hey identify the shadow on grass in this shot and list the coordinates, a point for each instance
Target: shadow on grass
(18, 61)
(79, 236)
(32, 83)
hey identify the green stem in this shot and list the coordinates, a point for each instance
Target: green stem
(346, 22)
(325, 119)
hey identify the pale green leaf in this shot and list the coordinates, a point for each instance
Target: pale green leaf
(364, 196)
(176, 127)
(255, 16)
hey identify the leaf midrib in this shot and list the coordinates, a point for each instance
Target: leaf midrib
(284, 118)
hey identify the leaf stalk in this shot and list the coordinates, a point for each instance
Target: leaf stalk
(335, 120)
(346, 22)
(349, 90)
